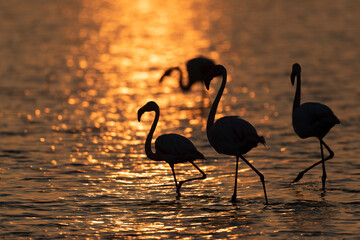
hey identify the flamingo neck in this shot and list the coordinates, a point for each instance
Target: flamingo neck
(211, 118)
(297, 92)
(149, 153)
(181, 80)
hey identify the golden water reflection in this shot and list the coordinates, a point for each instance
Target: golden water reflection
(85, 169)
(124, 52)
(137, 52)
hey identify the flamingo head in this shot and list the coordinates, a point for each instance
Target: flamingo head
(296, 69)
(168, 72)
(217, 70)
(262, 140)
(150, 106)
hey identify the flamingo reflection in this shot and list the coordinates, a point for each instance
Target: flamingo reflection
(197, 68)
(171, 148)
(231, 135)
(311, 120)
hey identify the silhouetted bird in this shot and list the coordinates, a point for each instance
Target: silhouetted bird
(311, 120)
(197, 68)
(171, 148)
(231, 135)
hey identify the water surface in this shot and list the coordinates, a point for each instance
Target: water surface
(74, 73)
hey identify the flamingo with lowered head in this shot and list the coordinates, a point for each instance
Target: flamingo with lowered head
(311, 119)
(197, 68)
(231, 135)
(171, 148)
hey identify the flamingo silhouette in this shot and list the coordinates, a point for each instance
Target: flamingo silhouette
(231, 135)
(171, 148)
(197, 69)
(311, 119)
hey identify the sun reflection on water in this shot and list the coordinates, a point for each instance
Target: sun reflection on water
(85, 171)
(118, 66)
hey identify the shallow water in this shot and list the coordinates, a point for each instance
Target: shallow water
(73, 75)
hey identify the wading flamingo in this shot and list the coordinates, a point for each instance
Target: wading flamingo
(171, 148)
(231, 135)
(197, 68)
(311, 120)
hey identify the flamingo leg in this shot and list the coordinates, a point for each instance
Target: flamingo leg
(331, 155)
(259, 174)
(323, 167)
(176, 184)
(233, 198)
(191, 179)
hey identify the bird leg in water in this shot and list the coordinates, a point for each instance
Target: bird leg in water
(323, 167)
(259, 174)
(331, 155)
(233, 198)
(188, 180)
(176, 184)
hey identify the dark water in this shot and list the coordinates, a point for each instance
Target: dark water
(74, 73)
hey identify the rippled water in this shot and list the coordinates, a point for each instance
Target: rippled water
(74, 73)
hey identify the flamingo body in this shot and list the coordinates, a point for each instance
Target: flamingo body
(197, 69)
(174, 148)
(313, 119)
(232, 135)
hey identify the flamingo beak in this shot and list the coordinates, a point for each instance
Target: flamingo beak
(262, 141)
(207, 83)
(296, 69)
(209, 77)
(166, 73)
(140, 113)
(292, 77)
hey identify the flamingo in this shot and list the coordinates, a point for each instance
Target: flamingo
(171, 148)
(231, 135)
(311, 119)
(197, 69)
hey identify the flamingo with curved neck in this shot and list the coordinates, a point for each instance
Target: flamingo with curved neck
(181, 81)
(231, 135)
(311, 119)
(197, 68)
(171, 148)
